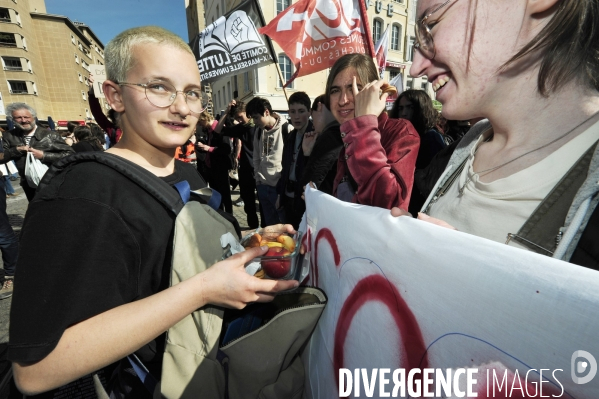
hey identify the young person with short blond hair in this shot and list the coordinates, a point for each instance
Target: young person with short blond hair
(87, 303)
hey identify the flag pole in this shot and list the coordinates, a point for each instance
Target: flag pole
(367, 28)
(282, 81)
(273, 54)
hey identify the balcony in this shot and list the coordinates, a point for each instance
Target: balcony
(13, 68)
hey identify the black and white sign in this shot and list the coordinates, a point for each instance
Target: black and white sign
(232, 44)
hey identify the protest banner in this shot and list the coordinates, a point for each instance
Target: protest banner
(315, 33)
(406, 297)
(232, 45)
(381, 49)
(98, 72)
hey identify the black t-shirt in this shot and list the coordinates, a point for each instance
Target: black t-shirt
(245, 132)
(84, 146)
(92, 240)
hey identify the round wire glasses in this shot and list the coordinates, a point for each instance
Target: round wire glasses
(162, 95)
(424, 38)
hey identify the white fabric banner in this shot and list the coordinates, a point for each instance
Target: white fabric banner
(407, 294)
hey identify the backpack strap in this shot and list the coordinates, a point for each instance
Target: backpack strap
(184, 190)
(155, 186)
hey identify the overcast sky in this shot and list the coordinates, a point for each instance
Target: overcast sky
(107, 18)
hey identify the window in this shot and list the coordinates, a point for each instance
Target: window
(246, 82)
(4, 15)
(12, 64)
(85, 80)
(392, 74)
(18, 87)
(79, 45)
(80, 77)
(410, 49)
(424, 84)
(83, 95)
(286, 70)
(282, 5)
(72, 39)
(409, 83)
(8, 40)
(87, 114)
(377, 28)
(87, 52)
(395, 35)
(85, 65)
(76, 58)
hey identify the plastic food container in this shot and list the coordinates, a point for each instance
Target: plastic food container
(286, 266)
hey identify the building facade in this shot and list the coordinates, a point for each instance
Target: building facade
(398, 15)
(46, 61)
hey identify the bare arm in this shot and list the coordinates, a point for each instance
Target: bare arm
(116, 333)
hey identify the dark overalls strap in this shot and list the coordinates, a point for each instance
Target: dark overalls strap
(542, 231)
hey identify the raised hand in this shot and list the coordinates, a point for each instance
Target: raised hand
(239, 31)
(308, 142)
(369, 100)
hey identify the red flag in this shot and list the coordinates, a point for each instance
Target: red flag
(315, 33)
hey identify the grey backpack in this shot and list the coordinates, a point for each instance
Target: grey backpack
(255, 353)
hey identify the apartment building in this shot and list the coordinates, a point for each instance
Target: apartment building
(46, 61)
(398, 15)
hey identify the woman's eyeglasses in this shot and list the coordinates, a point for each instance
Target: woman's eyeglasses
(424, 38)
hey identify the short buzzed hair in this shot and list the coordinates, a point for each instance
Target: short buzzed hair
(10, 108)
(119, 51)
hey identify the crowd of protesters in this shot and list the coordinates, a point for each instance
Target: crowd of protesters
(271, 159)
(344, 142)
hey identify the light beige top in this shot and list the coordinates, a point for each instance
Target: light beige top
(492, 210)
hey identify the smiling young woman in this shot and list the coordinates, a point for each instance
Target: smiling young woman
(531, 68)
(376, 163)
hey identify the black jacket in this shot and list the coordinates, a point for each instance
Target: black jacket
(51, 143)
(288, 151)
(321, 167)
(244, 132)
(221, 157)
